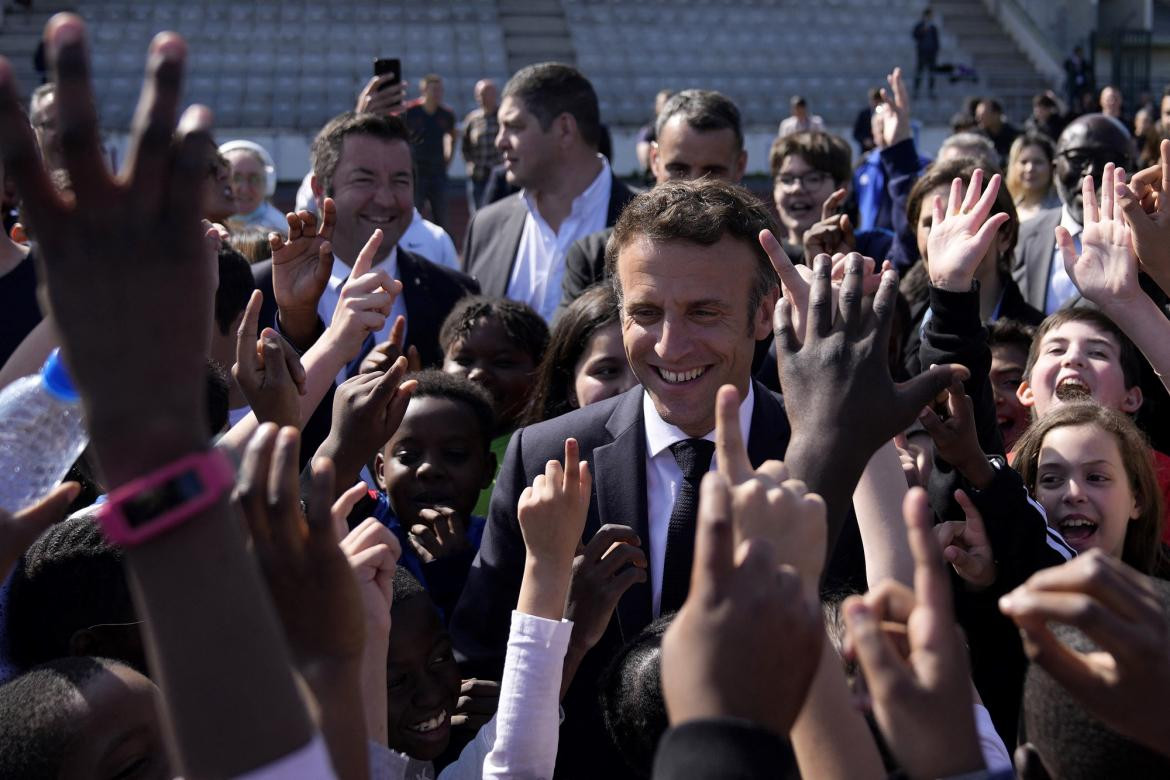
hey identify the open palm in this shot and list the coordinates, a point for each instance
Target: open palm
(1106, 269)
(962, 232)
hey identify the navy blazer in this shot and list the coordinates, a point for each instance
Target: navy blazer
(612, 438)
(493, 238)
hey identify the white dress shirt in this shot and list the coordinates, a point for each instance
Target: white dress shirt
(1060, 287)
(428, 240)
(520, 741)
(540, 258)
(663, 478)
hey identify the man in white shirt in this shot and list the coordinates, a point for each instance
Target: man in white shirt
(1085, 146)
(549, 133)
(801, 120)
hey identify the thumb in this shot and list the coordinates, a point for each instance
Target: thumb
(1131, 206)
(1068, 250)
(976, 533)
(916, 393)
(247, 333)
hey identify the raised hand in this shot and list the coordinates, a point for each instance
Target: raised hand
(922, 702)
(268, 370)
(18, 531)
(896, 110)
(796, 280)
(364, 304)
(125, 265)
(442, 534)
(1124, 681)
(1146, 205)
(1106, 271)
(766, 504)
(552, 514)
(477, 703)
(367, 410)
(955, 439)
(962, 232)
(383, 355)
(966, 546)
(379, 96)
(833, 234)
(301, 267)
(745, 643)
(609, 565)
(846, 350)
(307, 573)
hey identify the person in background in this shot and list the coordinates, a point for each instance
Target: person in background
(585, 362)
(1146, 137)
(801, 120)
(647, 136)
(1111, 102)
(989, 117)
(432, 130)
(1045, 117)
(42, 113)
(1029, 175)
(480, 154)
(1078, 78)
(926, 46)
(862, 127)
(253, 182)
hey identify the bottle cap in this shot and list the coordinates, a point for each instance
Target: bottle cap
(56, 378)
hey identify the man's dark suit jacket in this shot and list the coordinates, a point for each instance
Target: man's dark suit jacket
(612, 439)
(429, 291)
(493, 238)
(584, 266)
(1034, 253)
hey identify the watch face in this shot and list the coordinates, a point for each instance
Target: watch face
(149, 504)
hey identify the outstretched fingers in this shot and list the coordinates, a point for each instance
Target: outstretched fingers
(152, 131)
(77, 120)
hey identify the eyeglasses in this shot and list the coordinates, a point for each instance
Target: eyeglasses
(253, 179)
(809, 181)
(1084, 159)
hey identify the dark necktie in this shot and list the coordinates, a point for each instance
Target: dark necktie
(694, 460)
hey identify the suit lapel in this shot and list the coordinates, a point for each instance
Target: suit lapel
(494, 277)
(768, 436)
(1039, 261)
(622, 499)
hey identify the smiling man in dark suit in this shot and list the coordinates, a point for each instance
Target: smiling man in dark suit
(550, 127)
(696, 292)
(363, 164)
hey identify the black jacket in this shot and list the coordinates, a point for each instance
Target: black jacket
(612, 438)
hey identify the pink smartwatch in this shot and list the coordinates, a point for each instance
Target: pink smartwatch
(155, 503)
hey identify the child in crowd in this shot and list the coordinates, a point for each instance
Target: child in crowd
(1089, 467)
(496, 343)
(430, 475)
(1010, 343)
(81, 718)
(585, 361)
(423, 679)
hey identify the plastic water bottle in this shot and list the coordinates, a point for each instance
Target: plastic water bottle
(42, 432)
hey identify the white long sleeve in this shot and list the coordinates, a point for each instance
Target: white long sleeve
(527, 724)
(520, 741)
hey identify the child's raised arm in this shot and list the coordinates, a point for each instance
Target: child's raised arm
(1106, 270)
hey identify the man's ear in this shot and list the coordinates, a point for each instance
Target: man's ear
(379, 464)
(1133, 400)
(762, 319)
(740, 163)
(654, 161)
(315, 186)
(566, 129)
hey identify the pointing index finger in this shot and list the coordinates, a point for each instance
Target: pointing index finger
(729, 447)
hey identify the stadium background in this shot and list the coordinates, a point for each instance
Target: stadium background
(275, 70)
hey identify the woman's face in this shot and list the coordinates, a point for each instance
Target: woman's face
(926, 220)
(248, 180)
(1083, 486)
(602, 371)
(1034, 169)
